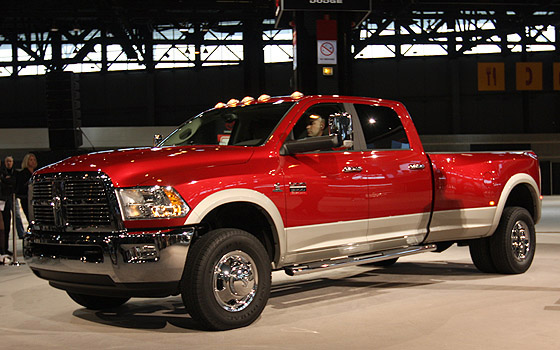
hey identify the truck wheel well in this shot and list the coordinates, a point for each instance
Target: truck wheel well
(247, 217)
(522, 196)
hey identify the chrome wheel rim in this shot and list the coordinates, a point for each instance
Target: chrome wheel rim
(520, 240)
(235, 281)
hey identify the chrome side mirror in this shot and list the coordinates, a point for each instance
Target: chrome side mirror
(340, 124)
(157, 139)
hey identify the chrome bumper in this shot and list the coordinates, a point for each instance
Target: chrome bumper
(141, 264)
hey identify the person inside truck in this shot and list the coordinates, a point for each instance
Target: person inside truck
(314, 121)
(316, 125)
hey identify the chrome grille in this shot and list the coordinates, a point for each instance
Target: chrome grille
(71, 202)
(43, 202)
(86, 203)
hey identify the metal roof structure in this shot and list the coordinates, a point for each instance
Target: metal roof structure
(55, 34)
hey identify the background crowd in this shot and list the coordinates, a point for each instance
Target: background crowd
(14, 181)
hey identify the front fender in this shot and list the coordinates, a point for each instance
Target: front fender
(220, 198)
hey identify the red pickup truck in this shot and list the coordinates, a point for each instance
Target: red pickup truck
(300, 183)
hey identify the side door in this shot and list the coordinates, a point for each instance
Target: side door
(399, 177)
(326, 193)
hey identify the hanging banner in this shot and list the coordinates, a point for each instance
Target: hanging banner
(324, 5)
(360, 8)
(326, 41)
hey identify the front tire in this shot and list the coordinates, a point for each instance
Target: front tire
(94, 302)
(226, 283)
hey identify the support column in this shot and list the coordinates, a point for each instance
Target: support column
(104, 59)
(15, 64)
(253, 57)
(455, 82)
(148, 37)
(323, 41)
(198, 37)
(345, 55)
(56, 46)
(305, 53)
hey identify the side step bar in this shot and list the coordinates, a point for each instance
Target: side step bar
(356, 260)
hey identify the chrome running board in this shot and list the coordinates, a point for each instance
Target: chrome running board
(356, 260)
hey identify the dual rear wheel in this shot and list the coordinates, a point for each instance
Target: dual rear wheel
(511, 249)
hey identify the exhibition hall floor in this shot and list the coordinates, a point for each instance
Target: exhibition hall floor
(428, 301)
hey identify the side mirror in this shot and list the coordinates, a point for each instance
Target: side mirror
(340, 124)
(309, 144)
(157, 139)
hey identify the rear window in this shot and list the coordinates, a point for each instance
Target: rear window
(382, 127)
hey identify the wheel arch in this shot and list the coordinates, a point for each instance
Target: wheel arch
(247, 210)
(521, 190)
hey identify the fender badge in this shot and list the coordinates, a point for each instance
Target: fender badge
(277, 187)
(298, 187)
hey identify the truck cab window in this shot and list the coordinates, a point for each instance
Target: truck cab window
(315, 120)
(382, 128)
(233, 126)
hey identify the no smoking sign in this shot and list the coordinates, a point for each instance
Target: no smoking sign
(326, 51)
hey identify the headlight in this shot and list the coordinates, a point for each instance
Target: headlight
(151, 203)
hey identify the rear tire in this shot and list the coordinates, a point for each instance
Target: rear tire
(226, 283)
(511, 249)
(480, 255)
(94, 302)
(512, 246)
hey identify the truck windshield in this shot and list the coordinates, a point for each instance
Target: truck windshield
(235, 126)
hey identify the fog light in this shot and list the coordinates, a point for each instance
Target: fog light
(141, 254)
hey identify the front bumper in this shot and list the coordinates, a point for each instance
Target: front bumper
(111, 264)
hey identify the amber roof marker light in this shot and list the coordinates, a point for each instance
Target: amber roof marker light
(296, 95)
(264, 98)
(233, 102)
(247, 100)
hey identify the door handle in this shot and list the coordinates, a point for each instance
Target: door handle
(416, 166)
(352, 169)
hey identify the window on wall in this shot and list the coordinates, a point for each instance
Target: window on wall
(382, 128)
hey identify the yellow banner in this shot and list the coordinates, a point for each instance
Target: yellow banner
(556, 78)
(529, 76)
(491, 76)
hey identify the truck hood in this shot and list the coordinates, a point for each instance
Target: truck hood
(165, 166)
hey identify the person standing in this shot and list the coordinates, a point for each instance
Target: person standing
(8, 186)
(28, 166)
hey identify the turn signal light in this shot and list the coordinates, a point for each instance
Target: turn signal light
(220, 105)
